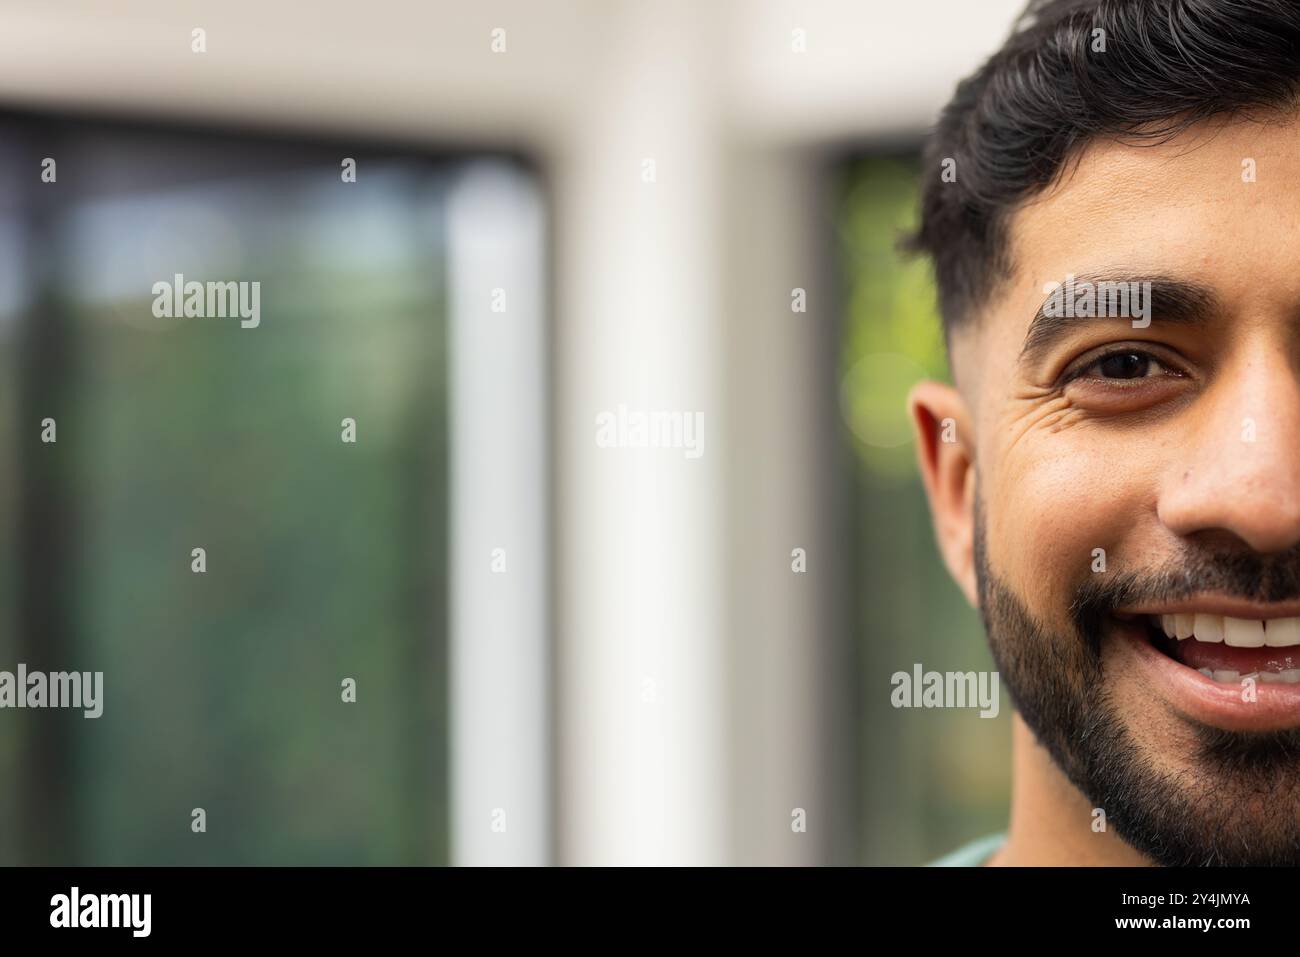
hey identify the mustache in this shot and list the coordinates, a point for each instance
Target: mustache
(1252, 576)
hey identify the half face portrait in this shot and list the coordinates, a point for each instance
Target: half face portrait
(1112, 212)
(860, 435)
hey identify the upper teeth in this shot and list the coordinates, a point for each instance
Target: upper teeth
(1241, 632)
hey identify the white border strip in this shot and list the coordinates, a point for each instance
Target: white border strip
(500, 710)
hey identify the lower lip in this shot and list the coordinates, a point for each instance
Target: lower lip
(1203, 699)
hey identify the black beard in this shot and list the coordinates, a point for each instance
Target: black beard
(1241, 806)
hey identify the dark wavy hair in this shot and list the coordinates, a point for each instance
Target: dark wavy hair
(1014, 125)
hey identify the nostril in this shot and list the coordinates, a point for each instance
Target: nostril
(1259, 525)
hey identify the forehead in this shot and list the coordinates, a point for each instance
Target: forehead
(1217, 205)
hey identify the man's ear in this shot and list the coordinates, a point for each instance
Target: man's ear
(945, 453)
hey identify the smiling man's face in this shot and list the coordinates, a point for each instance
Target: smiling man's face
(1112, 474)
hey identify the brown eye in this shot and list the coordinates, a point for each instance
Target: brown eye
(1124, 365)
(1125, 379)
(1124, 368)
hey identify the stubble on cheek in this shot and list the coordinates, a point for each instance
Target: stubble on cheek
(1165, 742)
(1181, 793)
(1042, 532)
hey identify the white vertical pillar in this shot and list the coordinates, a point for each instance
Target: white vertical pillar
(500, 710)
(641, 689)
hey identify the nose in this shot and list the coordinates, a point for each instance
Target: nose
(1238, 472)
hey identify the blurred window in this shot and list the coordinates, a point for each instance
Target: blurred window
(929, 780)
(325, 560)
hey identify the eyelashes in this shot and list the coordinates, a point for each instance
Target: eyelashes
(1121, 365)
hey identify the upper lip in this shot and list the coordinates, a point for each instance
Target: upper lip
(1218, 605)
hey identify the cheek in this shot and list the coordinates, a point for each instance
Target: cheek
(1054, 500)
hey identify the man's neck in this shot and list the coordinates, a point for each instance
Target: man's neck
(1052, 823)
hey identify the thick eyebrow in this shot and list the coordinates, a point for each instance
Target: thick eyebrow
(1171, 301)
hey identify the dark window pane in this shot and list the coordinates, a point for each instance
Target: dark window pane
(324, 559)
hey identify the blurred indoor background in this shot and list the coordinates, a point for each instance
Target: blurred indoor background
(564, 652)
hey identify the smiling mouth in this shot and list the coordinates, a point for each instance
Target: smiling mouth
(1226, 649)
